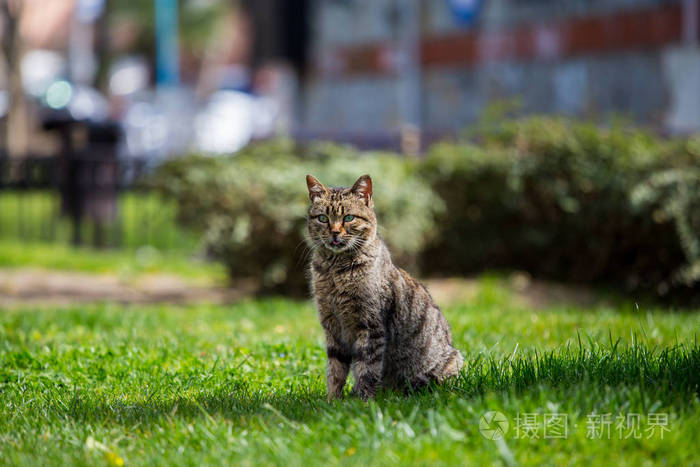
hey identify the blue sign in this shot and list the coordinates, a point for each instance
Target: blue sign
(167, 43)
(465, 11)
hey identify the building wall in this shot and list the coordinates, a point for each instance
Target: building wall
(592, 58)
(509, 13)
(631, 83)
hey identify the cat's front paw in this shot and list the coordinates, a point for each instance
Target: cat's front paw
(364, 392)
(335, 396)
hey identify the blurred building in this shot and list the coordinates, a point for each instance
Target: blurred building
(382, 65)
(373, 72)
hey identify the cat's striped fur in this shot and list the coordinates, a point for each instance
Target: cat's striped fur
(379, 322)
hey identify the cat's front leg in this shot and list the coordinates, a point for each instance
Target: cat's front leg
(337, 368)
(368, 360)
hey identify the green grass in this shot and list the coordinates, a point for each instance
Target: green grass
(123, 262)
(243, 384)
(145, 239)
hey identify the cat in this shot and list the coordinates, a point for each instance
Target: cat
(379, 322)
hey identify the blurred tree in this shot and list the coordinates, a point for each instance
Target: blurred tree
(14, 126)
(198, 19)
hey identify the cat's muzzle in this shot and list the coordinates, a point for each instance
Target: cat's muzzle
(336, 245)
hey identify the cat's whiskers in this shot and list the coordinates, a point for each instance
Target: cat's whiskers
(310, 246)
(305, 252)
(357, 243)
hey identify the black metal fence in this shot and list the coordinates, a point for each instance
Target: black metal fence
(86, 200)
(85, 194)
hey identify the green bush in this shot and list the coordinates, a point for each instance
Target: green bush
(252, 206)
(563, 200)
(569, 201)
(673, 195)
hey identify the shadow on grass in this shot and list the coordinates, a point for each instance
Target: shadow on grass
(227, 403)
(671, 375)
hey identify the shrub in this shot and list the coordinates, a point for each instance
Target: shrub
(564, 200)
(673, 195)
(569, 201)
(251, 207)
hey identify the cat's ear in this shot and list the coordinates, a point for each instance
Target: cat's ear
(316, 188)
(363, 187)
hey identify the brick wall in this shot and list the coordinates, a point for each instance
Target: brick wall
(590, 58)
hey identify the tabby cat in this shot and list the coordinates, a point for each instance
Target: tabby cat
(379, 322)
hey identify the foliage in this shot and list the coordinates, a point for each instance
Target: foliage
(560, 199)
(570, 201)
(244, 385)
(252, 205)
(196, 21)
(674, 194)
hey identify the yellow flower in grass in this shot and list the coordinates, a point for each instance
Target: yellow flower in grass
(114, 459)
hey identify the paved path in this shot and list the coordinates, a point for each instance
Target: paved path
(29, 286)
(38, 286)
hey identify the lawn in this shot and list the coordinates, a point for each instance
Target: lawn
(124, 262)
(144, 239)
(244, 384)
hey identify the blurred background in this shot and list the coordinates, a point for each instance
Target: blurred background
(152, 136)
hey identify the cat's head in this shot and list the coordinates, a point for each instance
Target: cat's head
(341, 220)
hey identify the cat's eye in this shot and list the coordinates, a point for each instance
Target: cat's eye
(348, 218)
(323, 218)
